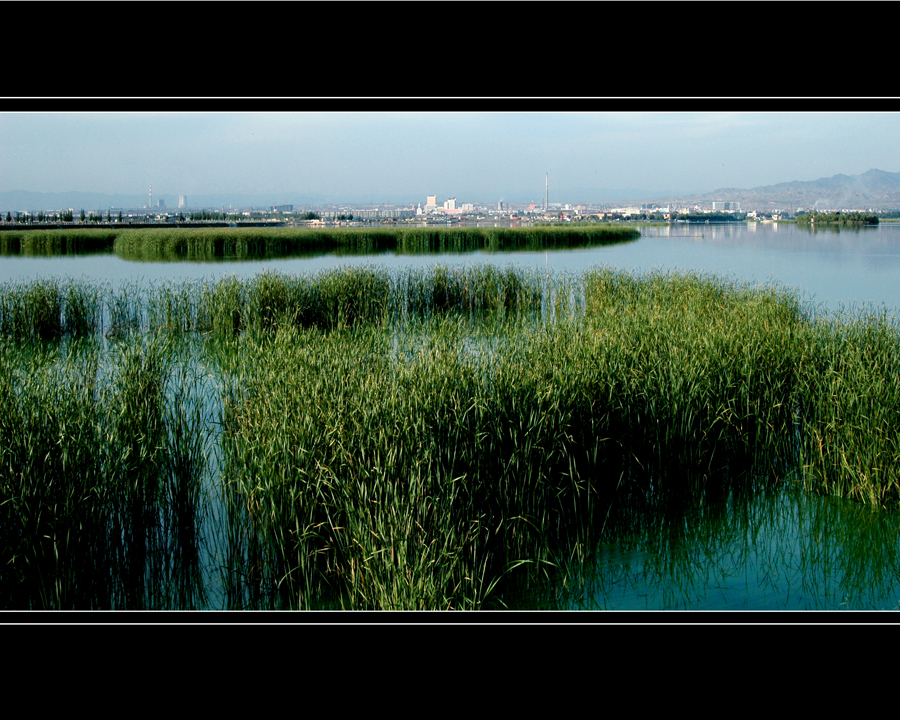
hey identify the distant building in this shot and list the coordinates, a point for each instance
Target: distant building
(431, 202)
(450, 204)
(182, 201)
(732, 206)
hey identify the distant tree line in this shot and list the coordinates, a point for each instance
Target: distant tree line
(836, 218)
(39, 217)
(67, 216)
(207, 215)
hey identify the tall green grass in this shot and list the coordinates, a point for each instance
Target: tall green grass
(50, 308)
(249, 243)
(849, 403)
(705, 373)
(237, 243)
(405, 439)
(57, 242)
(497, 444)
(388, 480)
(54, 550)
(100, 467)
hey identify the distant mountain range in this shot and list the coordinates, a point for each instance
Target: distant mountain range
(875, 189)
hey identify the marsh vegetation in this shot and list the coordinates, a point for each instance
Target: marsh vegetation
(416, 438)
(226, 243)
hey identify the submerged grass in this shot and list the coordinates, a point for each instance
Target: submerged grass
(405, 439)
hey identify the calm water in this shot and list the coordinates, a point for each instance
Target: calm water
(834, 268)
(781, 548)
(776, 548)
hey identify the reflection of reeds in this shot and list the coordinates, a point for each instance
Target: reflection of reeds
(56, 242)
(402, 439)
(756, 545)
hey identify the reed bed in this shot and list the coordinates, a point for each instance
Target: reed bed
(850, 406)
(706, 370)
(256, 243)
(57, 242)
(397, 481)
(101, 466)
(407, 439)
(362, 461)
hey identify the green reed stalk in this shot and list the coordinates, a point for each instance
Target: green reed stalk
(51, 517)
(849, 405)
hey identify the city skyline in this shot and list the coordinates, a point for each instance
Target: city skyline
(401, 157)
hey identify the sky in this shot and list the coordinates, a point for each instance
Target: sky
(405, 156)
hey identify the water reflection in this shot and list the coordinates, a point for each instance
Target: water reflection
(769, 547)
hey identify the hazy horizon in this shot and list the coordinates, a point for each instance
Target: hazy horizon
(391, 157)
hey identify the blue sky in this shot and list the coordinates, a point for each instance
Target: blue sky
(474, 156)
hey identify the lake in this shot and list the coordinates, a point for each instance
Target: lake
(774, 548)
(839, 267)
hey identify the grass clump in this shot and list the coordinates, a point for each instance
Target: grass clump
(99, 477)
(393, 479)
(53, 551)
(850, 406)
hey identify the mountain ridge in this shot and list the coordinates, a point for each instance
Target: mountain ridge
(873, 189)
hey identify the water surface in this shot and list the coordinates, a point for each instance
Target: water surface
(832, 267)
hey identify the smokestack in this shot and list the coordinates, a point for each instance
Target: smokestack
(547, 192)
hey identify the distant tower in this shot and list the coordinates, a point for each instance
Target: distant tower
(151, 197)
(182, 201)
(547, 192)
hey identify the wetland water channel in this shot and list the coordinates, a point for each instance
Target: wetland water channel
(752, 547)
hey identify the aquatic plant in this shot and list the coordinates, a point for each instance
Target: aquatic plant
(405, 439)
(255, 243)
(70, 241)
